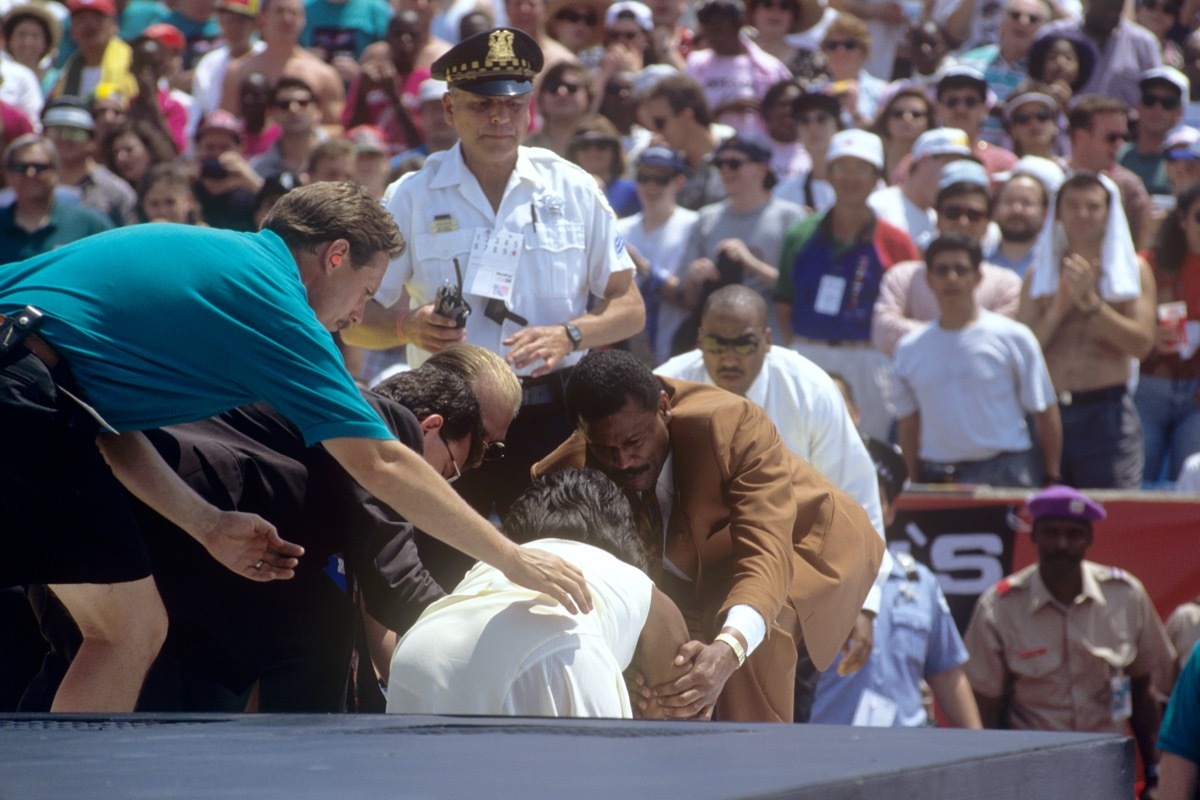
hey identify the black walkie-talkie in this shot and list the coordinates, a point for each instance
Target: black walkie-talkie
(450, 301)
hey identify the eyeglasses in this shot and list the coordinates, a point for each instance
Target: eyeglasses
(1027, 18)
(286, 104)
(493, 451)
(956, 213)
(552, 88)
(907, 113)
(786, 5)
(571, 15)
(945, 270)
(731, 164)
(829, 45)
(657, 180)
(23, 167)
(1026, 117)
(449, 452)
(1154, 5)
(67, 134)
(742, 345)
(813, 119)
(1168, 103)
(968, 102)
(1115, 137)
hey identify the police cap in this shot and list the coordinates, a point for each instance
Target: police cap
(496, 63)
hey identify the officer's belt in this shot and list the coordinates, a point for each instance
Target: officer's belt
(37, 345)
(546, 389)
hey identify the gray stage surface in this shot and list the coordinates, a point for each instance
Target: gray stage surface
(378, 757)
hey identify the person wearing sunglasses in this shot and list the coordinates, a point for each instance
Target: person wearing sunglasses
(906, 302)
(72, 129)
(1005, 64)
(1032, 118)
(578, 25)
(1164, 93)
(909, 204)
(963, 101)
(1182, 153)
(660, 232)
(905, 112)
(847, 46)
(966, 424)
(1099, 129)
(294, 108)
(676, 110)
(36, 222)
(564, 97)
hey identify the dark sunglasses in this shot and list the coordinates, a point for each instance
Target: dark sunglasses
(493, 451)
(956, 213)
(621, 36)
(1022, 16)
(907, 113)
(1114, 137)
(553, 87)
(1168, 103)
(966, 102)
(23, 167)
(589, 18)
(786, 5)
(829, 45)
(1026, 117)
(944, 270)
(742, 345)
(1154, 5)
(286, 105)
(657, 180)
(732, 164)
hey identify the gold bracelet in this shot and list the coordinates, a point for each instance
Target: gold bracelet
(734, 645)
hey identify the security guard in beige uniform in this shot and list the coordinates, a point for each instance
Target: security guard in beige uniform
(533, 239)
(1067, 644)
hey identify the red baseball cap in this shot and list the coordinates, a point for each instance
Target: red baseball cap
(167, 35)
(104, 7)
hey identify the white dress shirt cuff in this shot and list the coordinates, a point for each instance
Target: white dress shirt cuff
(749, 623)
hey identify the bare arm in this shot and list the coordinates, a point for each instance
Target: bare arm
(1129, 326)
(908, 436)
(1047, 429)
(953, 694)
(1145, 718)
(1176, 777)
(991, 710)
(783, 313)
(663, 634)
(1043, 316)
(402, 479)
(889, 317)
(245, 543)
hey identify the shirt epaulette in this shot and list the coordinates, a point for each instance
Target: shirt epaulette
(1003, 587)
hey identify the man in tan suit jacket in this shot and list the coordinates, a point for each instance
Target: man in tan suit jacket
(759, 550)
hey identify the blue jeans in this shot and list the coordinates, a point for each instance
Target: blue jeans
(1170, 423)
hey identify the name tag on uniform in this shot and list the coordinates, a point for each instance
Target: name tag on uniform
(492, 267)
(1122, 697)
(443, 223)
(829, 295)
(874, 711)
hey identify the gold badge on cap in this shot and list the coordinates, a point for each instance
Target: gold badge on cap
(500, 46)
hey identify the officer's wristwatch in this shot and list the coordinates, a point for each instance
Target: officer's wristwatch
(574, 334)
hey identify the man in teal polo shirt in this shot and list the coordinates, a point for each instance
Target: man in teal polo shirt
(160, 324)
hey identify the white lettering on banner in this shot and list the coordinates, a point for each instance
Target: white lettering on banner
(977, 553)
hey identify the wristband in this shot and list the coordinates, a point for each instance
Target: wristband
(734, 645)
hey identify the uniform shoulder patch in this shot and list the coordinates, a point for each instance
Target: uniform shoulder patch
(1003, 587)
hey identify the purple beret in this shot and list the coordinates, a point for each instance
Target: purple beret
(1066, 503)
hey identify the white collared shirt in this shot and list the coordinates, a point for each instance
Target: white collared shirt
(570, 242)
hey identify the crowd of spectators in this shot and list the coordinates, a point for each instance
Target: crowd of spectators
(1047, 155)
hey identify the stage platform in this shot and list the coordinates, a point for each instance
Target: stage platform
(384, 757)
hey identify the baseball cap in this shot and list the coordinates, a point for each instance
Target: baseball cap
(1030, 97)
(1063, 502)
(368, 139)
(248, 8)
(431, 91)
(104, 7)
(1171, 76)
(68, 116)
(220, 120)
(167, 35)
(752, 145)
(960, 74)
(941, 141)
(964, 170)
(857, 143)
(640, 12)
(662, 156)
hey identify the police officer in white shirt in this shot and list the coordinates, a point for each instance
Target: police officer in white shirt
(529, 238)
